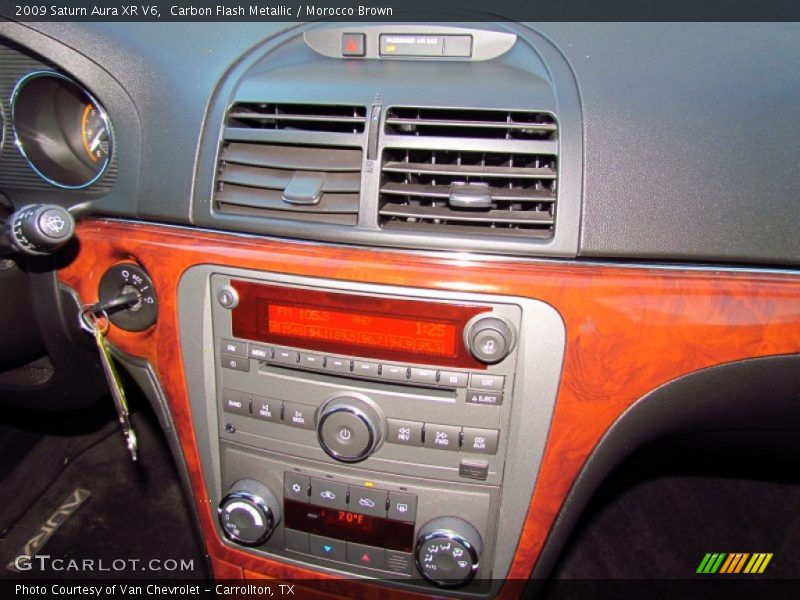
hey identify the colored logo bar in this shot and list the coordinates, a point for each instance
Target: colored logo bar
(734, 562)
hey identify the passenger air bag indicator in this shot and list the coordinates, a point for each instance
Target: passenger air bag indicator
(426, 45)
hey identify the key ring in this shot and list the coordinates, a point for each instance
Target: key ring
(90, 320)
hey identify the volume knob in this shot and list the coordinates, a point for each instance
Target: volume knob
(489, 339)
(349, 428)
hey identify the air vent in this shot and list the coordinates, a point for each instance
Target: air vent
(492, 124)
(508, 189)
(298, 162)
(305, 117)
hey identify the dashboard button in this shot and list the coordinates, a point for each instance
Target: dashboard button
(423, 376)
(453, 379)
(366, 556)
(368, 501)
(298, 415)
(295, 486)
(329, 493)
(394, 372)
(402, 507)
(443, 437)
(473, 469)
(237, 363)
(285, 357)
(228, 297)
(482, 397)
(259, 352)
(398, 562)
(233, 347)
(337, 365)
(482, 381)
(353, 44)
(311, 361)
(235, 402)
(296, 540)
(267, 409)
(365, 369)
(481, 441)
(326, 547)
(408, 433)
(345, 435)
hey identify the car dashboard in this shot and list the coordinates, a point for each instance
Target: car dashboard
(405, 293)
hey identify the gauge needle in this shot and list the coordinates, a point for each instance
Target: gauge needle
(96, 141)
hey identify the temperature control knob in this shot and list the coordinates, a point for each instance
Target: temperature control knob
(489, 339)
(249, 513)
(448, 551)
(349, 428)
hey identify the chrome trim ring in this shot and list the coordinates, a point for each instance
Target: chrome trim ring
(260, 504)
(24, 80)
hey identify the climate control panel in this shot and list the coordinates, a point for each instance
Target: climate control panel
(388, 527)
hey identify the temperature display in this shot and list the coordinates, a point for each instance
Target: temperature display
(350, 526)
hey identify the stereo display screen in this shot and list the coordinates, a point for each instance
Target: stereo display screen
(379, 327)
(406, 335)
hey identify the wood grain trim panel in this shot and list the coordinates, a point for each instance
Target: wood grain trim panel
(629, 330)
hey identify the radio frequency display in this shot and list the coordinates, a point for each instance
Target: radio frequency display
(410, 335)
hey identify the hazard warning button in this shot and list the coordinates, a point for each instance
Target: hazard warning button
(353, 44)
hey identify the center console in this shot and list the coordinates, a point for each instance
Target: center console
(373, 431)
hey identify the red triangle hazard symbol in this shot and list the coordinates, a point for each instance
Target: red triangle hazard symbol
(365, 558)
(351, 45)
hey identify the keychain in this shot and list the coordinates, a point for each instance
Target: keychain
(94, 319)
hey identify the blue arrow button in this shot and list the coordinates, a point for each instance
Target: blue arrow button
(327, 548)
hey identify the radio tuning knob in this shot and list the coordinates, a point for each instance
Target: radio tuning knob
(349, 428)
(489, 339)
(249, 513)
(448, 551)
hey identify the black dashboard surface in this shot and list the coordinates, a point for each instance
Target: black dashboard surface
(691, 131)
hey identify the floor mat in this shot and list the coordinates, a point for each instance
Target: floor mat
(657, 516)
(132, 522)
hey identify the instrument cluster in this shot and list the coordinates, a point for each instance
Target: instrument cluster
(63, 132)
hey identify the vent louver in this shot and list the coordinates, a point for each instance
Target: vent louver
(299, 162)
(470, 185)
(306, 117)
